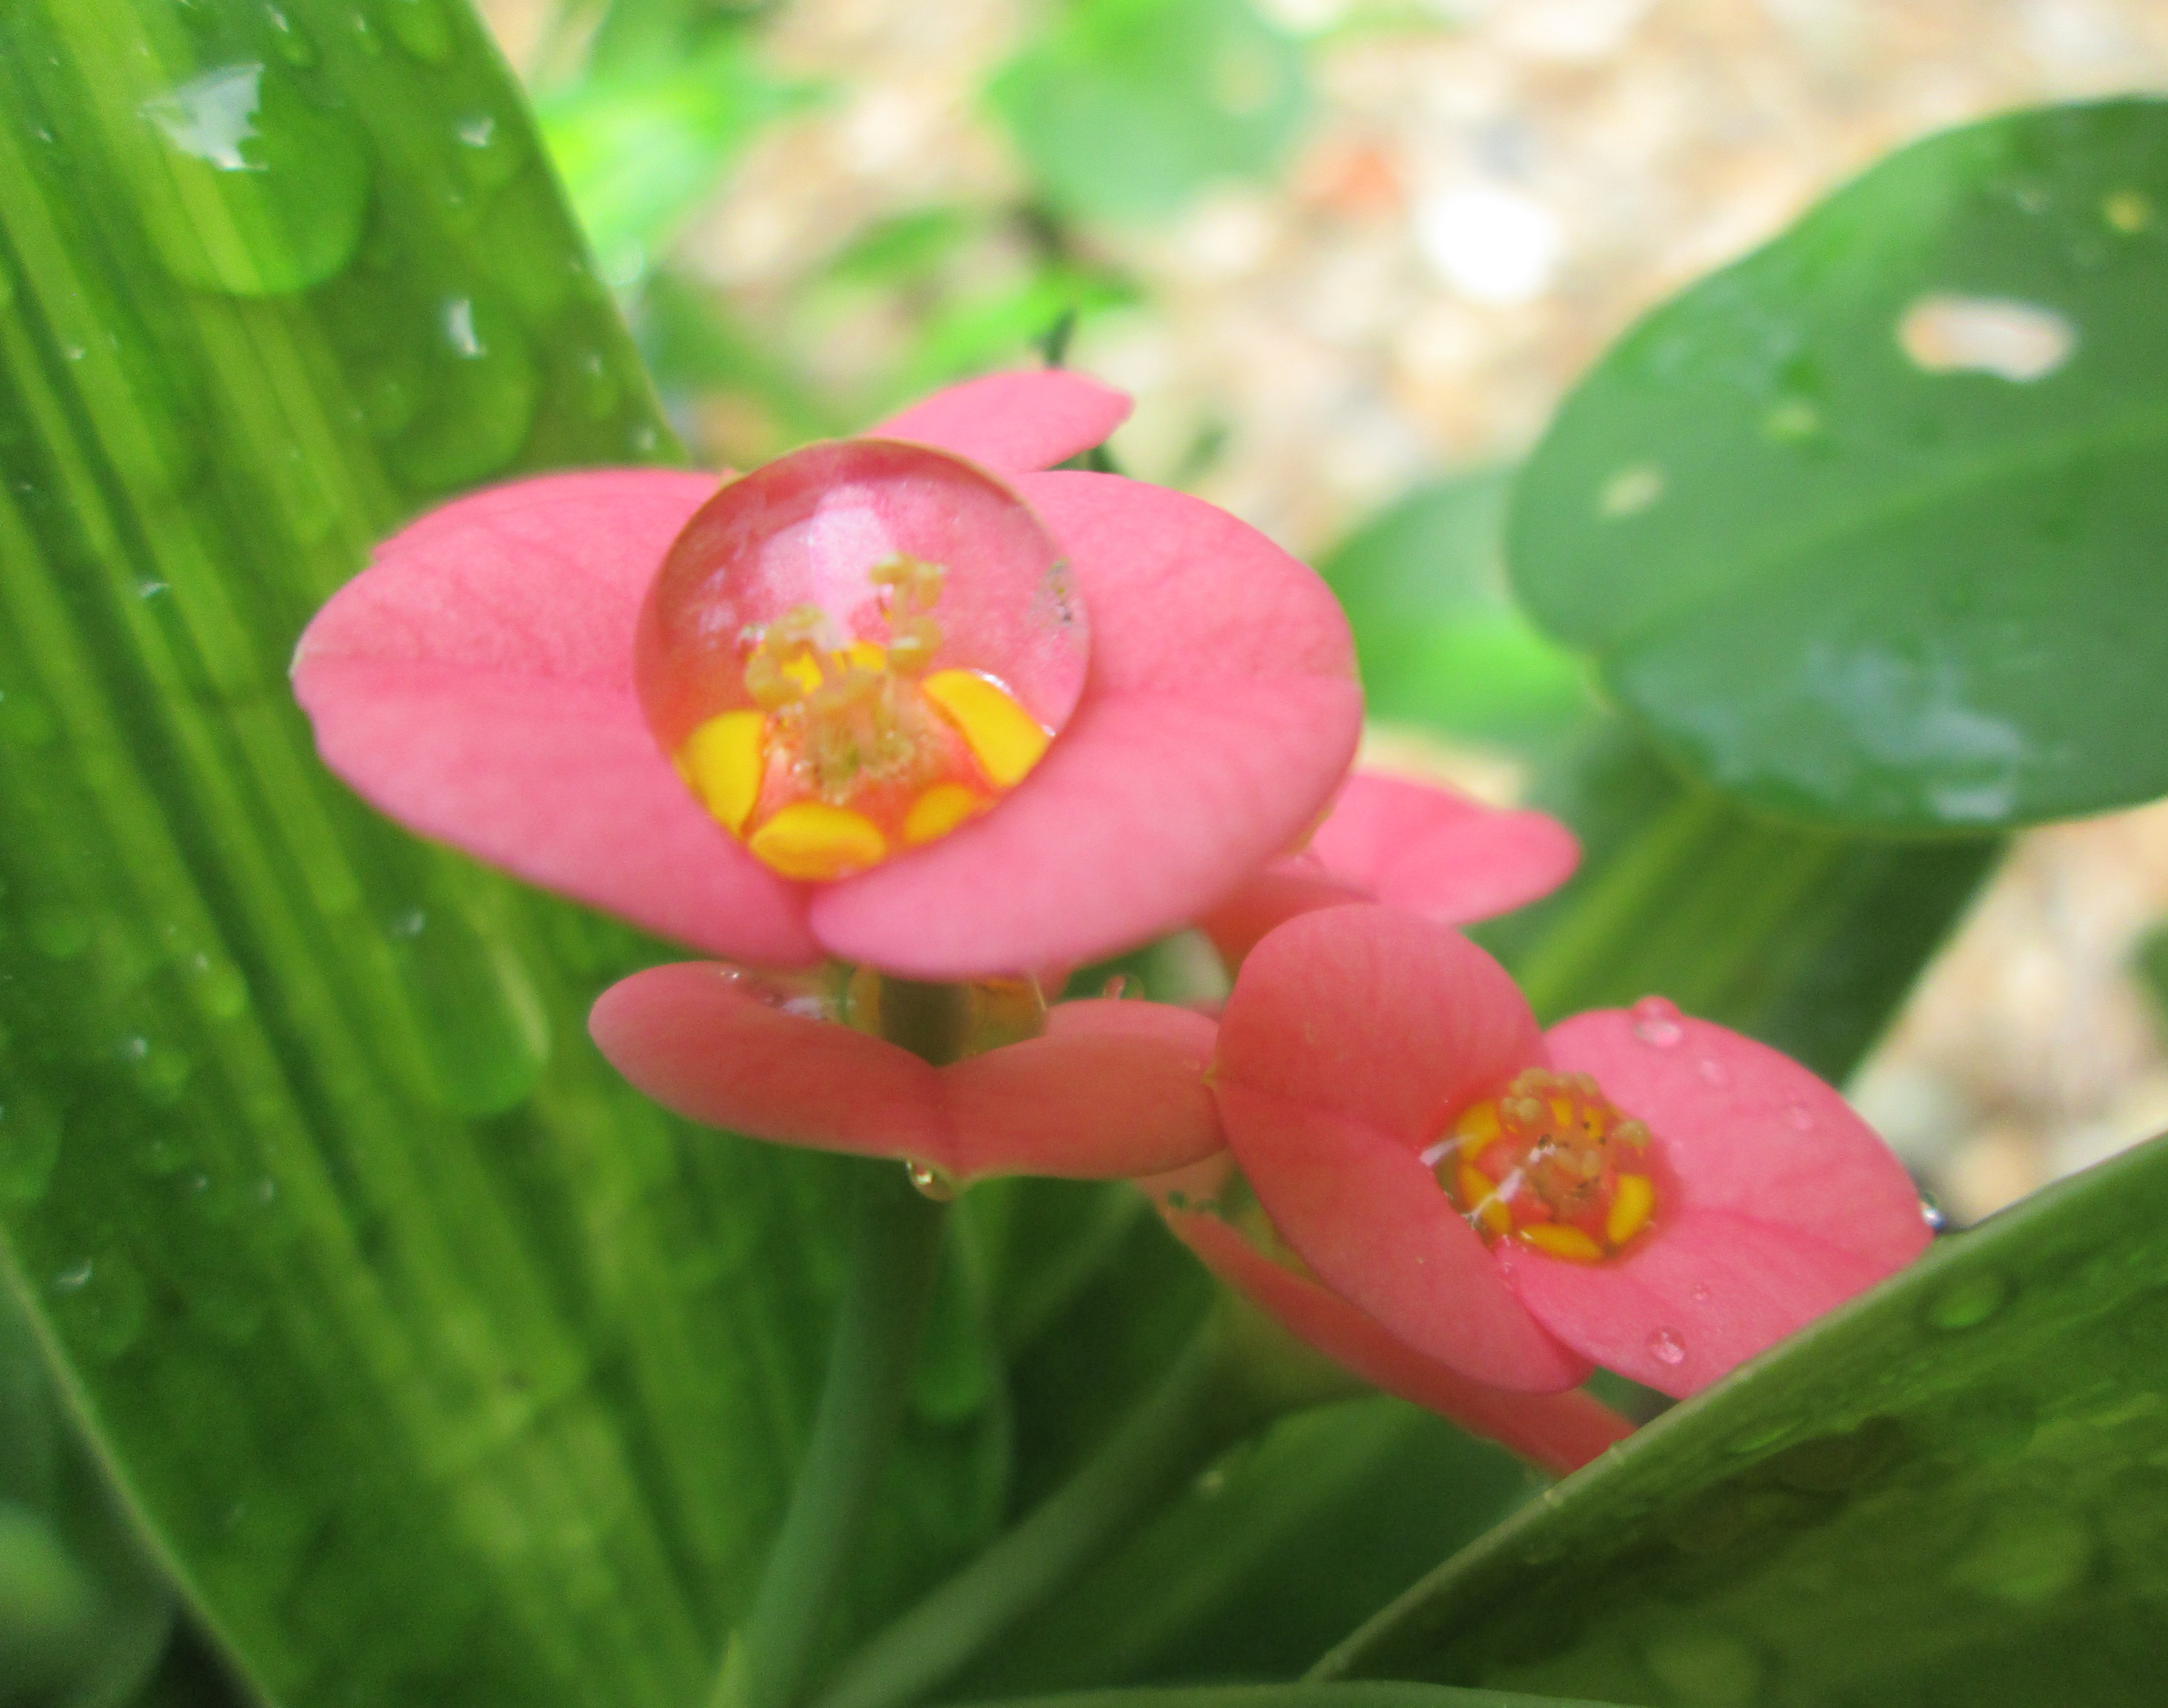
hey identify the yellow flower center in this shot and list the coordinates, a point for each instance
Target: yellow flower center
(854, 750)
(1553, 1163)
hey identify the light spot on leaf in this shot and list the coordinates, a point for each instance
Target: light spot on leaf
(2017, 340)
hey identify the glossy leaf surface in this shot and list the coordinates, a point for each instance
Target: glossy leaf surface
(440, 1366)
(1950, 1491)
(1865, 528)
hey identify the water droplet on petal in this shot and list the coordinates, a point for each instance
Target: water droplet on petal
(1700, 1292)
(857, 650)
(936, 1183)
(1657, 1021)
(1798, 1118)
(1668, 1347)
(1712, 1072)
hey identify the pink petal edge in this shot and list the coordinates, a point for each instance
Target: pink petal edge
(1014, 422)
(1559, 1432)
(1101, 1095)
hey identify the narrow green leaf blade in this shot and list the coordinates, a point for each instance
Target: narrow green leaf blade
(1291, 1696)
(1865, 527)
(1951, 1490)
(437, 1366)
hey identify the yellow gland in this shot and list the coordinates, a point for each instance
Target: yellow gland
(1551, 1163)
(854, 751)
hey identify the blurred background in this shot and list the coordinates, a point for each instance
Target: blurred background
(1347, 254)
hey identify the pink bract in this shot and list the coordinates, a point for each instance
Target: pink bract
(476, 683)
(1408, 844)
(1354, 1036)
(1111, 1089)
(1560, 1432)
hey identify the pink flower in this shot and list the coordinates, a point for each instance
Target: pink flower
(1417, 845)
(1642, 1189)
(1208, 1207)
(945, 717)
(1109, 1089)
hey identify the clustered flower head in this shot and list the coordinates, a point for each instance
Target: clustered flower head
(903, 726)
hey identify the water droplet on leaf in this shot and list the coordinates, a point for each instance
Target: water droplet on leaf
(1967, 1301)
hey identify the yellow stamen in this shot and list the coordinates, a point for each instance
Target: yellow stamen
(1561, 1241)
(723, 762)
(866, 656)
(1629, 1209)
(938, 812)
(1004, 738)
(811, 840)
(1479, 1193)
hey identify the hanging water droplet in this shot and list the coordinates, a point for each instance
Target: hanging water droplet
(1668, 1347)
(1656, 1022)
(1798, 1118)
(936, 1183)
(1931, 1212)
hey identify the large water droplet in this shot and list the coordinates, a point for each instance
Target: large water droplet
(257, 192)
(1657, 1021)
(478, 400)
(1668, 1347)
(100, 1305)
(1968, 1302)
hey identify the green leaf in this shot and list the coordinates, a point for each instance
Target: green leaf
(641, 149)
(1806, 938)
(1866, 527)
(84, 1614)
(437, 1366)
(1269, 1557)
(1128, 108)
(1292, 1696)
(1439, 641)
(1951, 1490)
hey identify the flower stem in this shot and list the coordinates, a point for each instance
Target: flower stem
(1205, 1404)
(893, 1260)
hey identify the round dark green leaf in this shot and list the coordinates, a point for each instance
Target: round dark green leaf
(1868, 527)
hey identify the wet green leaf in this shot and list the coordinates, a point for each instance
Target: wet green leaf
(1125, 109)
(1866, 527)
(1950, 1491)
(1293, 1696)
(1270, 1556)
(1806, 937)
(439, 1365)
